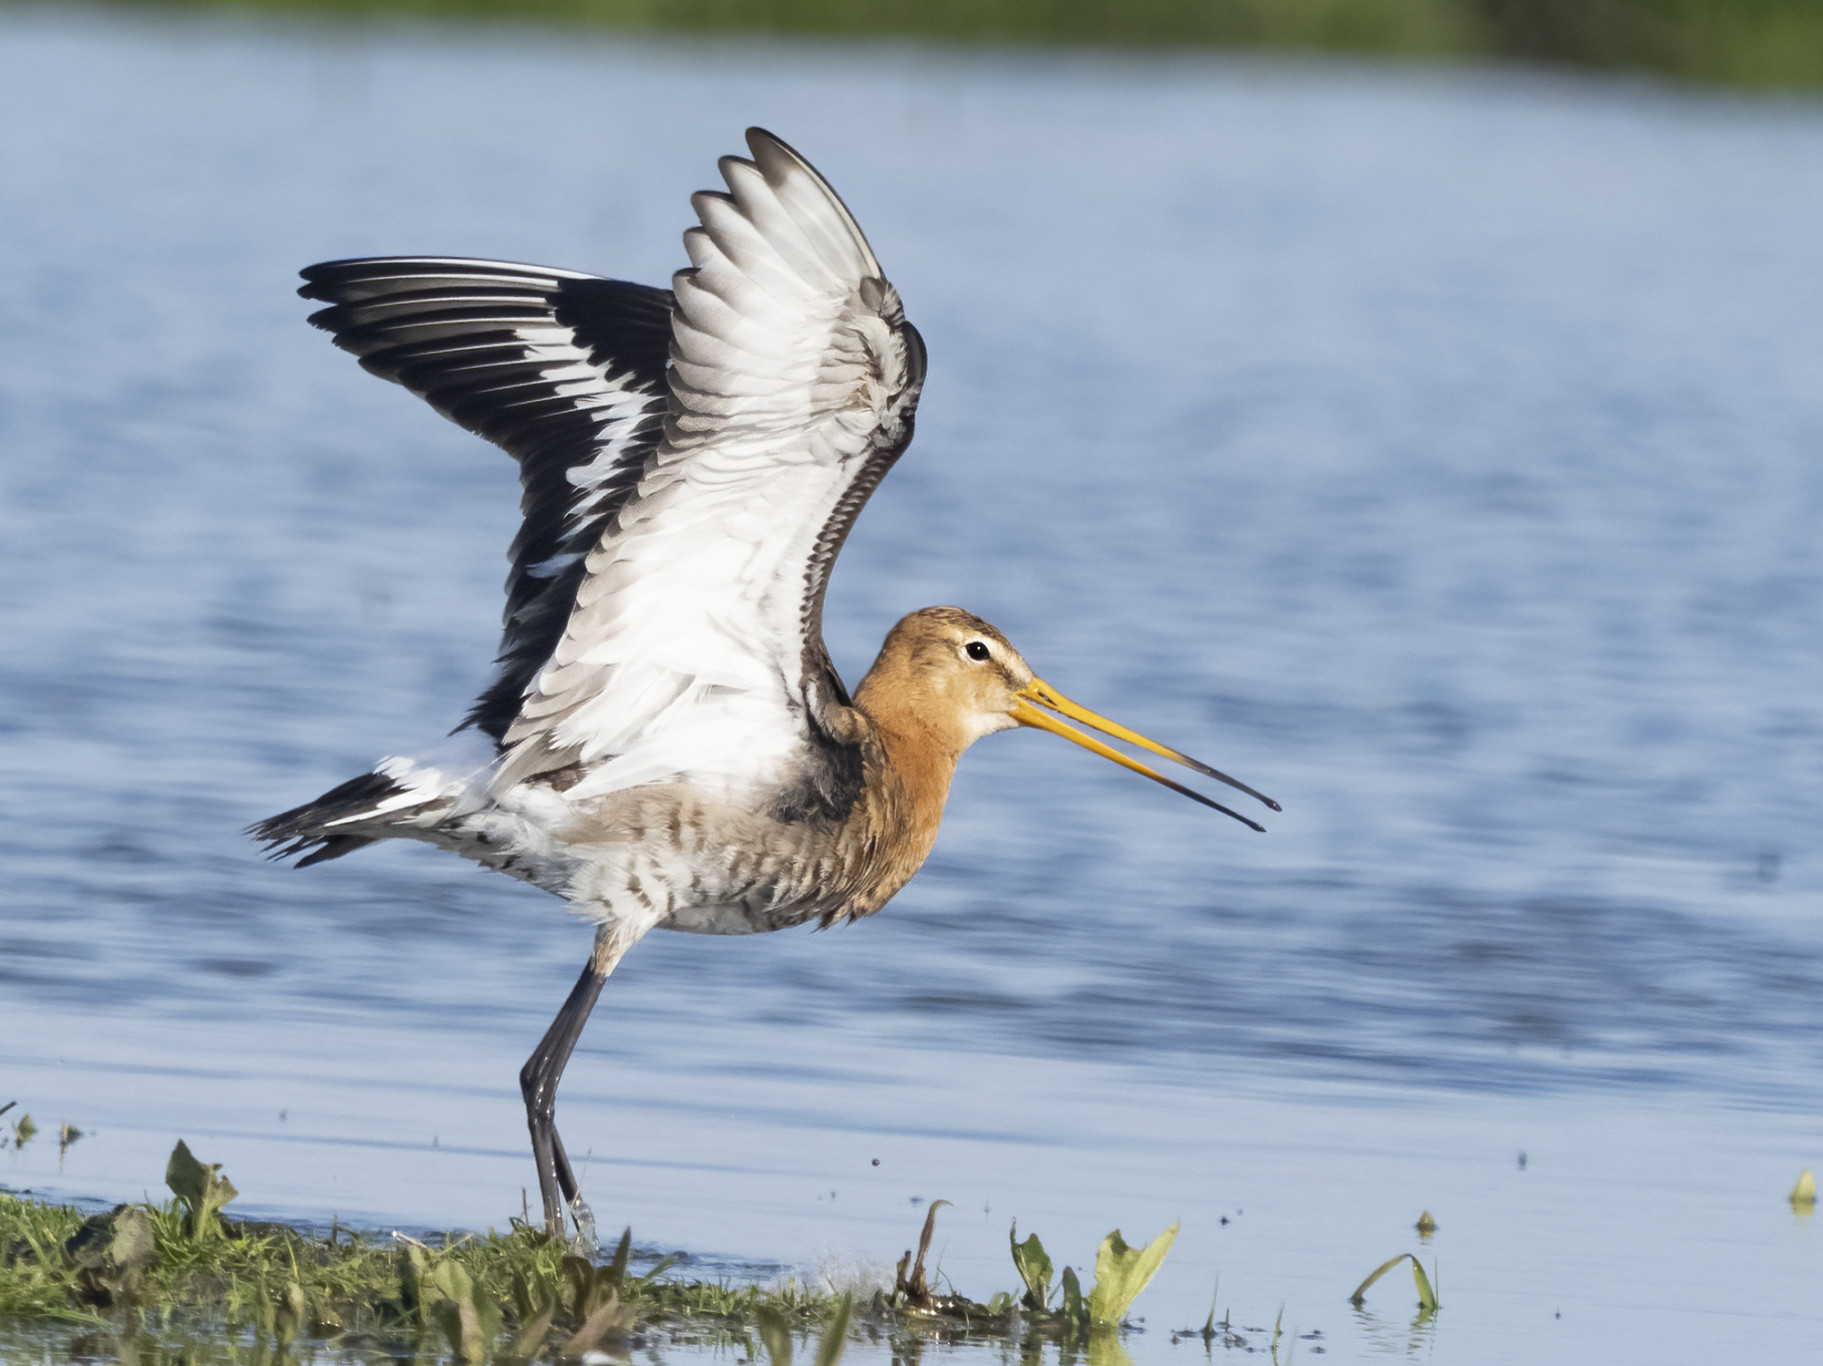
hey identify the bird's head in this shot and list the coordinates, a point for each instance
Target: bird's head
(955, 676)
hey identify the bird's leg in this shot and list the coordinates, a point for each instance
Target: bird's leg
(571, 1190)
(538, 1083)
(538, 1079)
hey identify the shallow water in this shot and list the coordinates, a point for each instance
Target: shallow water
(1434, 450)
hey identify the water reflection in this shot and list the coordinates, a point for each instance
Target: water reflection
(1385, 1336)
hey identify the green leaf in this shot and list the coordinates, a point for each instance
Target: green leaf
(1121, 1272)
(1427, 1297)
(1034, 1267)
(529, 1342)
(775, 1336)
(292, 1315)
(487, 1313)
(1360, 1294)
(200, 1188)
(522, 1298)
(609, 1322)
(1075, 1310)
(596, 1287)
(414, 1293)
(451, 1280)
(466, 1313)
(480, 1315)
(617, 1271)
(580, 1276)
(835, 1332)
(462, 1326)
(1804, 1194)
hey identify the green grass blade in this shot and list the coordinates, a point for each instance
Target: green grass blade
(617, 1269)
(1360, 1294)
(1427, 1296)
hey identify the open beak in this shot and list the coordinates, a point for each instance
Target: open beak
(1038, 694)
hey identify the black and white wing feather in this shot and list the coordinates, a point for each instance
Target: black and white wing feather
(564, 371)
(695, 645)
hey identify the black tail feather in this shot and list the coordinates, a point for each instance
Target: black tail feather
(306, 829)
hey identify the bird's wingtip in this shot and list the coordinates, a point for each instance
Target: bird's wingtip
(768, 149)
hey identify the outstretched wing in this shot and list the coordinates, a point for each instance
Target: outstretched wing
(566, 372)
(695, 646)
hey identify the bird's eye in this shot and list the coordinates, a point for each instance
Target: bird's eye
(977, 650)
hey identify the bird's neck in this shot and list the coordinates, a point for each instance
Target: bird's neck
(918, 743)
(911, 763)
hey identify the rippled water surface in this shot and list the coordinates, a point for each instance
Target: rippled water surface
(1440, 452)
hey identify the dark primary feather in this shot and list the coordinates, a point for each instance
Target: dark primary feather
(554, 367)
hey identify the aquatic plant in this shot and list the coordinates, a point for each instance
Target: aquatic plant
(185, 1266)
(775, 1335)
(1121, 1272)
(22, 1128)
(1804, 1195)
(516, 1295)
(1427, 1294)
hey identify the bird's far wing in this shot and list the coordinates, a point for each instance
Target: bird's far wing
(566, 372)
(696, 643)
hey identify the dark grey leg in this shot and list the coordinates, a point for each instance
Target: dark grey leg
(538, 1083)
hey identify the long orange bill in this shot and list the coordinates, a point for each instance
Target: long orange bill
(1046, 696)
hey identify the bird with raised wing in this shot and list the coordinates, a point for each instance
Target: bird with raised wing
(667, 744)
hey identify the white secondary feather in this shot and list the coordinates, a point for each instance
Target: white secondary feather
(793, 373)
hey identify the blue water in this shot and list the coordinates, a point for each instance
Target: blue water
(1436, 450)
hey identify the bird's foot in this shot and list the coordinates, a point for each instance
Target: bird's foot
(585, 1243)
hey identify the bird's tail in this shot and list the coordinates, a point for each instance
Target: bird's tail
(320, 830)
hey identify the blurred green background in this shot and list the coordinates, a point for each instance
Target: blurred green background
(1744, 42)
